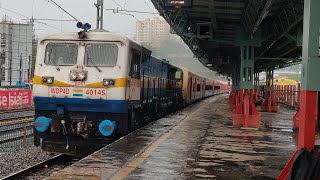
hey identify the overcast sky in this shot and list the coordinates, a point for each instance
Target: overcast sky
(84, 10)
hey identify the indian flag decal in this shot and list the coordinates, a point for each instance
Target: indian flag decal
(77, 92)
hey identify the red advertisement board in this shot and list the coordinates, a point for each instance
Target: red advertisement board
(15, 98)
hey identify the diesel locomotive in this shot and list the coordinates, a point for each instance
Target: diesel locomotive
(94, 86)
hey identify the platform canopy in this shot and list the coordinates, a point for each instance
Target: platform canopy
(216, 29)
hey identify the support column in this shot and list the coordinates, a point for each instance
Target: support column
(256, 80)
(296, 117)
(235, 89)
(269, 104)
(256, 83)
(246, 114)
(310, 81)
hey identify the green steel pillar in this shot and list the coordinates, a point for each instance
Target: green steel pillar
(236, 79)
(235, 89)
(310, 49)
(310, 83)
(247, 67)
(246, 114)
(256, 81)
(269, 79)
(270, 104)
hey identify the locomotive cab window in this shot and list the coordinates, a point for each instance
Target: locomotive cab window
(61, 54)
(101, 55)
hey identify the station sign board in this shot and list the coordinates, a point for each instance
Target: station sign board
(178, 3)
(15, 98)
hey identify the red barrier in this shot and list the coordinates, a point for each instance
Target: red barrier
(288, 95)
(15, 98)
(246, 114)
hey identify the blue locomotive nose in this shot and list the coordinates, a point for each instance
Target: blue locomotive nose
(106, 127)
(42, 123)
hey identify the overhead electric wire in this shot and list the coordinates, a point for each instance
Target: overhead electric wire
(129, 15)
(130, 11)
(52, 19)
(118, 4)
(47, 2)
(125, 3)
(28, 17)
(149, 6)
(14, 12)
(122, 9)
(64, 10)
(32, 8)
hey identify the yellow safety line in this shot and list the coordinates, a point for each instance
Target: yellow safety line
(124, 171)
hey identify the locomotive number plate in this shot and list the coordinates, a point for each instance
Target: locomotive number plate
(59, 91)
(78, 92)
(95, 92)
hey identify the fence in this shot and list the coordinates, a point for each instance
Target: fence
(288, 95)
(16, 134)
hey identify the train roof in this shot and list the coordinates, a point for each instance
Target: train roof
(92, 35)
(103, 35)
(95, 35)
(188, 70)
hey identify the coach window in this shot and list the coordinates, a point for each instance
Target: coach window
(61, 54)
(135, 65)
(178, 75)
(198, 87)
(101, 55)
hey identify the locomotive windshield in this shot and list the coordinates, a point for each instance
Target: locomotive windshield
(101, 55)
(61, 54)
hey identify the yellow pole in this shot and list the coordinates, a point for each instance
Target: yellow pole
(25, 134)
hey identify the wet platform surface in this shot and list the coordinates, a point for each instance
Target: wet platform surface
(197, 143)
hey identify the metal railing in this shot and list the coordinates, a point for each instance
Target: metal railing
(288, 95)
(16, 134)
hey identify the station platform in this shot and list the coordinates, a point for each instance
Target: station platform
(199, 142)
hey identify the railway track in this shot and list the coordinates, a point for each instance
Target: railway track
(16, 120)
(15, 128)
(3, 111)
(43, 169)
(16, 113)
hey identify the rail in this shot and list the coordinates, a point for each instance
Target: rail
(36, 172)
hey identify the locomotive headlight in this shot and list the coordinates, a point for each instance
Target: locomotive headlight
(44, 79)
(50, 80)
(108, 82)
(73, 75)
(82, 75)
(78, 75)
